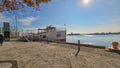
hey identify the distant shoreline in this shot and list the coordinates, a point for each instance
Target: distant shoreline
(92, 34)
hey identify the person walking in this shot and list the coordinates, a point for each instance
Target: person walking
(1, 39)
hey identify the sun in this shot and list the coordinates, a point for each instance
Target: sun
(86, 2)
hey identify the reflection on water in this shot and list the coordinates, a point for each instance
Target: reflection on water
(88, 35)
(101, 40)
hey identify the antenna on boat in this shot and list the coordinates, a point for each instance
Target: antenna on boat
(65, 26)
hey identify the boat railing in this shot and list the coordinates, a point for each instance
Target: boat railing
(61, 29)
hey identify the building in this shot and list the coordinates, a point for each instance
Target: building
(1, 31)
(6, 27)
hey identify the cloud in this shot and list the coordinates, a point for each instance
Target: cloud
(27, 20)
(3, 18)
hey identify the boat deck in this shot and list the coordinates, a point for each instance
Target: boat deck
(56, 55)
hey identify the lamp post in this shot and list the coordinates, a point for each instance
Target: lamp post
(16, 31)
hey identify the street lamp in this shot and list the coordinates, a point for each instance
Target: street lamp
(16, 32)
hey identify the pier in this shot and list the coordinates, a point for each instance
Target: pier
(57, 55)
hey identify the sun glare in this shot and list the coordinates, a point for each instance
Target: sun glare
(86, 2)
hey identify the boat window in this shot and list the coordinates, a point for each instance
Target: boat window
(58, 35)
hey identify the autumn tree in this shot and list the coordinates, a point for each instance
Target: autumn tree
(10, 5)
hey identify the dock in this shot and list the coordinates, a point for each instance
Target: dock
(57, 55)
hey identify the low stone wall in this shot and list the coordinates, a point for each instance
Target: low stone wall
(87, 45)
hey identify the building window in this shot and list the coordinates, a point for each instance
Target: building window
(58, 35)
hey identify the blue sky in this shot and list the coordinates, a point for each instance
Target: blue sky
(96, 16)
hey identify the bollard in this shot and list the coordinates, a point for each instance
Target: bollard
(47, 41)
(78, 48)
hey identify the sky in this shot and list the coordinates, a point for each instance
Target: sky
(80, 16)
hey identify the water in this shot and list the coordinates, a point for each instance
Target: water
(101, 40)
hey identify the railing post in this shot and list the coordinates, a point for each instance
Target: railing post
(78, 48)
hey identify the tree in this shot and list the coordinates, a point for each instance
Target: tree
(10, 5)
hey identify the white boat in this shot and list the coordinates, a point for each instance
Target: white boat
(50, 33)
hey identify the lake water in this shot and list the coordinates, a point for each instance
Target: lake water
(101, 40)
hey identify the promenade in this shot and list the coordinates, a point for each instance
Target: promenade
(56, 55)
